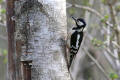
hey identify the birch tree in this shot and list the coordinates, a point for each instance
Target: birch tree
(37, 34)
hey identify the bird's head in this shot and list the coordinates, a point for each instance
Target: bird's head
(80, 24)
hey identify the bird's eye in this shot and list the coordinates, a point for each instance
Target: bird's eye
(80, 23)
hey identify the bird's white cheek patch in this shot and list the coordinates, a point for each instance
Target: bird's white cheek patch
(80, 23)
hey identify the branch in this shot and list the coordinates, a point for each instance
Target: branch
(90, 10)
(106, 48)
(96, 62)
(115, 43)
(85, 8)
(110, 53)
(112, 13)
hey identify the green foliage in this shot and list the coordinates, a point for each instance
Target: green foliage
(3, 53)
(1, 1)
(104, 1)
(5, 60)
(105, 18)
(89, 5)
(71, 11)
(86, 2)
(2, 11)
(117, 8)
(97, 42)
(113, 76)
(102, 20)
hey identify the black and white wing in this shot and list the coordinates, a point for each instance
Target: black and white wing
(76, 39)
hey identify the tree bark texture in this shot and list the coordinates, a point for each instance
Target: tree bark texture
(37, 40)
(11, 52)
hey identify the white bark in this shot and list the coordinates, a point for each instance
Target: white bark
(47, 31)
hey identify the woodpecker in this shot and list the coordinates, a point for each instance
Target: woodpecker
(76, 37)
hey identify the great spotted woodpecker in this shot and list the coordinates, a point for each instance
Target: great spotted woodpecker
(76, 38)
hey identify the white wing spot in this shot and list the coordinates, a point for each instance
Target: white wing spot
(78, 37)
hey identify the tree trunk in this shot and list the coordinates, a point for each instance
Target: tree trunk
(37, 33)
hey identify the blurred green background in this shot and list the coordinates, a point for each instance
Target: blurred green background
(3, 41)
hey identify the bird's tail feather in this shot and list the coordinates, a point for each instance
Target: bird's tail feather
(71, 58)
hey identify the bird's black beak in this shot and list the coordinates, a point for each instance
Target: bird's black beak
(74, 18)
